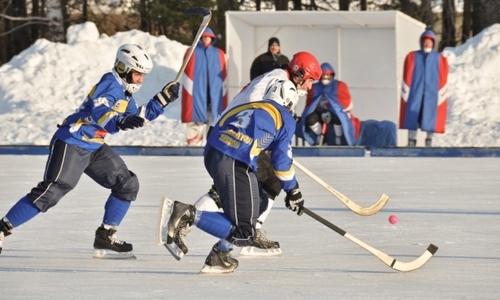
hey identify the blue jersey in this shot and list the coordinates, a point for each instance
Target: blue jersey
(106, 104)
(246, 130)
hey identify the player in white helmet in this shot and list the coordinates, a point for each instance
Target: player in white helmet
(231, 155)
(78, 147)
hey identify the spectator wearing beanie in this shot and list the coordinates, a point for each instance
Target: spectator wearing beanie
(270, 60)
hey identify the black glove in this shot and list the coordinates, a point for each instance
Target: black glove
(130, 122)
(169, 93)
(294, 200)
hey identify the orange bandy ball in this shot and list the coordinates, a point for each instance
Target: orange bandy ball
(393, 219)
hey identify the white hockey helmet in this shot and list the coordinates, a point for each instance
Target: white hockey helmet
(283, 92)
(132, 57)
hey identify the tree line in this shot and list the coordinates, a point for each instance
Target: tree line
(22, 22)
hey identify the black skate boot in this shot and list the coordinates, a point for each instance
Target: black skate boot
(218, 262)
(261, 246)
(5, 230)
(106, 245)
(181, 219)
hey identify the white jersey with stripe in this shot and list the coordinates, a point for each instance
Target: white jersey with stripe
(255, 90)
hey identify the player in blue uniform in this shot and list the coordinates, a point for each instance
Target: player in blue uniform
(231, 153)
(78, 147)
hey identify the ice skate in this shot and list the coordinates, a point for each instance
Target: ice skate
(219, 262)
(262, 246)
(5, 230)
(181, 219)
(107, 246)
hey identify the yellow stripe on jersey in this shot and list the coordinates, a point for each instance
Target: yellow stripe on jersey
(120, 106)
(268, 107)
(92, 91)
(103, 120)
(285, 175)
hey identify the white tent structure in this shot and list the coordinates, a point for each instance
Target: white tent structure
(367, 50)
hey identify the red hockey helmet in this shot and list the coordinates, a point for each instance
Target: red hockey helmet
(305, 66)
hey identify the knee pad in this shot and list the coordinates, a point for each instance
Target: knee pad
(128, 187)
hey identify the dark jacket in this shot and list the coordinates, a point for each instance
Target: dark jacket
(267, 62)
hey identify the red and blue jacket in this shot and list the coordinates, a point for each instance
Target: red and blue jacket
(204, 80)
(423, 96)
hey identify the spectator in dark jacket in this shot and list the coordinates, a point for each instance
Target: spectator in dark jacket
(270, 60)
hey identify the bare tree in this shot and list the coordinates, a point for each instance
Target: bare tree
(426, 12)
(467, 20)
(258, 5)
(344, 4)
(297, 4)
(363, 5)
(484, 14)
(281, 4)
(56, 16)
(448, 34)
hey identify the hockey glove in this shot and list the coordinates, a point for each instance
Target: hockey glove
(169, 93)
(130, 122)
(294, 200)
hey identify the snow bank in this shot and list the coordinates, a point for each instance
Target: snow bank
(47, 81)
(474, 93)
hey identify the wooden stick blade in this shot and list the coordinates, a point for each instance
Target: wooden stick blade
(417, 263)
(356, 208)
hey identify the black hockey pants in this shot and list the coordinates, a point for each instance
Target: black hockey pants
(66, 164)
(238, 189)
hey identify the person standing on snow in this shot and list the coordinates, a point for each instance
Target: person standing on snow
(204, 95)
(423, 97)
(78, 147)
(231, 154)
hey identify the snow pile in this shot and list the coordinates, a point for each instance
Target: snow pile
(474, 93)
(48, 81)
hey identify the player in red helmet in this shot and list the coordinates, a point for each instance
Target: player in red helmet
(303, 70)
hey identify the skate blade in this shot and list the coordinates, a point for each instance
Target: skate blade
(258, 252)
(216, 270)
(165, 212)
(176, 252)
(108, 254)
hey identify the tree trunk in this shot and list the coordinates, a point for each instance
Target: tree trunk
(484, 14)
(19, 39)
(258, 5)
(426, 15)
(143, 13)
(467, 20)
(85, 13)
(344, 4)
(281, 4)
(36, 13)
(448, 34)
(297, 4)
(363, 5)
(55, 14)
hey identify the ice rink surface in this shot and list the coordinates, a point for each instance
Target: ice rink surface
(451, 202)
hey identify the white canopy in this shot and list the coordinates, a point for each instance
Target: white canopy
(366, 49)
